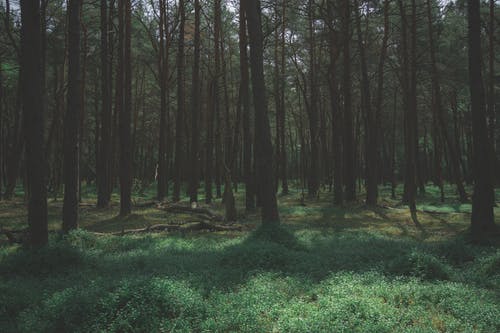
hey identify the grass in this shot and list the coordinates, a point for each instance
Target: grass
(327, 269)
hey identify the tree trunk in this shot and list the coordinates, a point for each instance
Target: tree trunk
(179, 133)
(162, 178)
(104, 161)
(314, 172)
(348, 135)
(245, 103)
(482, 218)
(31, 81)
(195, 109)
(263, 145)
(126, 111)
(71, 121)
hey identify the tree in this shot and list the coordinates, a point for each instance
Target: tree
(195, 108)
(312, 110)
(104, 151)
(179, 133)
(348, 135)
(72, 120)
(482, 218)
(126, 111)
(31, 82)
(245, 104)
(263, 145)
(163, 58)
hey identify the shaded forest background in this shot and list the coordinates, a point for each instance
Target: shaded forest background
(354, 95)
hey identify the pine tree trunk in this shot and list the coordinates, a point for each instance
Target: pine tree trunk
(195, 109)
(125, 115)
(263, 145)
(349, 150)
(31, 81)
(482, 218)
(179, 128)
(245, 102)
(71, 121)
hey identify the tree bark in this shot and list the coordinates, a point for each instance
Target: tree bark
(263, 145)
(245, 103)
(31, 81)
(179, 133)
(126, 112)
(195, 108)
(482, 218)
(104, 156)
(71, 121)
(348, 131)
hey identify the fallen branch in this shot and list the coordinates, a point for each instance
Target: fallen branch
(187, 227)
(203, 212)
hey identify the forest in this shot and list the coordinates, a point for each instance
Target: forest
(249, 166)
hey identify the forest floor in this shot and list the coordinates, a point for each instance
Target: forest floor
(327, 269)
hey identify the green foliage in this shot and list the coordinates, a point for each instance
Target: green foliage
(422, 265)
(310, 280)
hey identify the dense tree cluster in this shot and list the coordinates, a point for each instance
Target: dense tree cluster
(201, 96)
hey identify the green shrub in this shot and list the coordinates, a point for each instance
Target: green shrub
(422, 265)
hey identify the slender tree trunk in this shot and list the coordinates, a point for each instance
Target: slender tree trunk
(348, 135)
(371, 125)
(282, 117)
(104, 160)
(409, 105)
(179, 133)
(71, 121)
(216, 98)
(245, 102)
(195, 109)
(163, 80)
(482, 218)
(336, 114)
(263, 145)
(126, 113)
(31, 81)
(314, 171)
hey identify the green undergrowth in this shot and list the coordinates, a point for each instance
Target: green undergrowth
(327, 268)
(276, 279)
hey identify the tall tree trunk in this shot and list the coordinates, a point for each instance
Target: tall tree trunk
(126, 112)
(263, 145)
(349, 150)
(71, 121)
(31, 81)
(104, 160)
(179, 133)
(195, 109)
(282, 117)
(314, 171)
(216, 98)
(482, 218)
(370, 118)
(162, 177)
(245, 103)
(409, 104)
(336, 114)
